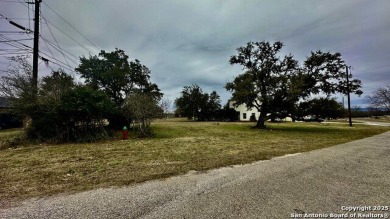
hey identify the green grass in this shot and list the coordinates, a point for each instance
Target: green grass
(178, 147)
(8, 134)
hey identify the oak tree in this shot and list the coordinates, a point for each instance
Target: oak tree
(196, 104)
(267, 80)
(118, 77)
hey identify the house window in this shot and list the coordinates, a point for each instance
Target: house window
(244, 115)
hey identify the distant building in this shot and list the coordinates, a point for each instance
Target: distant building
(245, 114)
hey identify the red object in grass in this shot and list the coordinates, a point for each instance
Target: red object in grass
(124, 133)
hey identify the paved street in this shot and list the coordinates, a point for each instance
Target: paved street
(316, 182)
(361, 122)
(374, 123)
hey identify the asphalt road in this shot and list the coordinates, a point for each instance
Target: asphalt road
(362, 122)
(325, 181)
(373, 123)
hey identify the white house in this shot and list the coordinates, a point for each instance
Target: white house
(245, 113)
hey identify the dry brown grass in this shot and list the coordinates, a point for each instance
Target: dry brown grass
(178, 147)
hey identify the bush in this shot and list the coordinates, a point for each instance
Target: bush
(142, 109)
(77, 117)
(326, 108)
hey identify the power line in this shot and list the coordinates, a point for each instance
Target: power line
(10, 41)
(9, 1)
(63, 65)
(54, 38)
(4, 41)
(18, 18)
(14, 53)
(18, 48)
(11, 32)
(24, 4)
(58, 47)
(49, 48)
(16, 24)
(13, 50)
(68, 36)
(53, 58)
(15, 44)
(72, 26)
(47, 43)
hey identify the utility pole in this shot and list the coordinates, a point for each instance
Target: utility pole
(36, 49)
(349, 99)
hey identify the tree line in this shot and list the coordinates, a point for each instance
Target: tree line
(273, 84)
(279, 86)
(117, 92)
(194, 104)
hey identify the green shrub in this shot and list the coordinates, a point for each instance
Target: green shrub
(142, 109)
(77, 117)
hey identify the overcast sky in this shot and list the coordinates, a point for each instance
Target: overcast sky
(187, 42)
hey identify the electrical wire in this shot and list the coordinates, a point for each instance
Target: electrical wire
(18, 18)
(9, 1)
(69, 36)
(15, 24)
(47, 43)
(16, 44)
(13, 50)
(11, 32)
(49, 48)
(72, 26)
(20, 48)
(13, 53)
(61, 65)
(57, 60)
(4, 41)
(54, 39)
(24, 4)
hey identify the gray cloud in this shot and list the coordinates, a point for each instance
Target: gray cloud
(186, 42)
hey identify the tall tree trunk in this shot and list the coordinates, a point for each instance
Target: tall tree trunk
(263, 108)
(261, 122)
(262, 118)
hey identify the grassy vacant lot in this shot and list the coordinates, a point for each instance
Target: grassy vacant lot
(179, 146)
